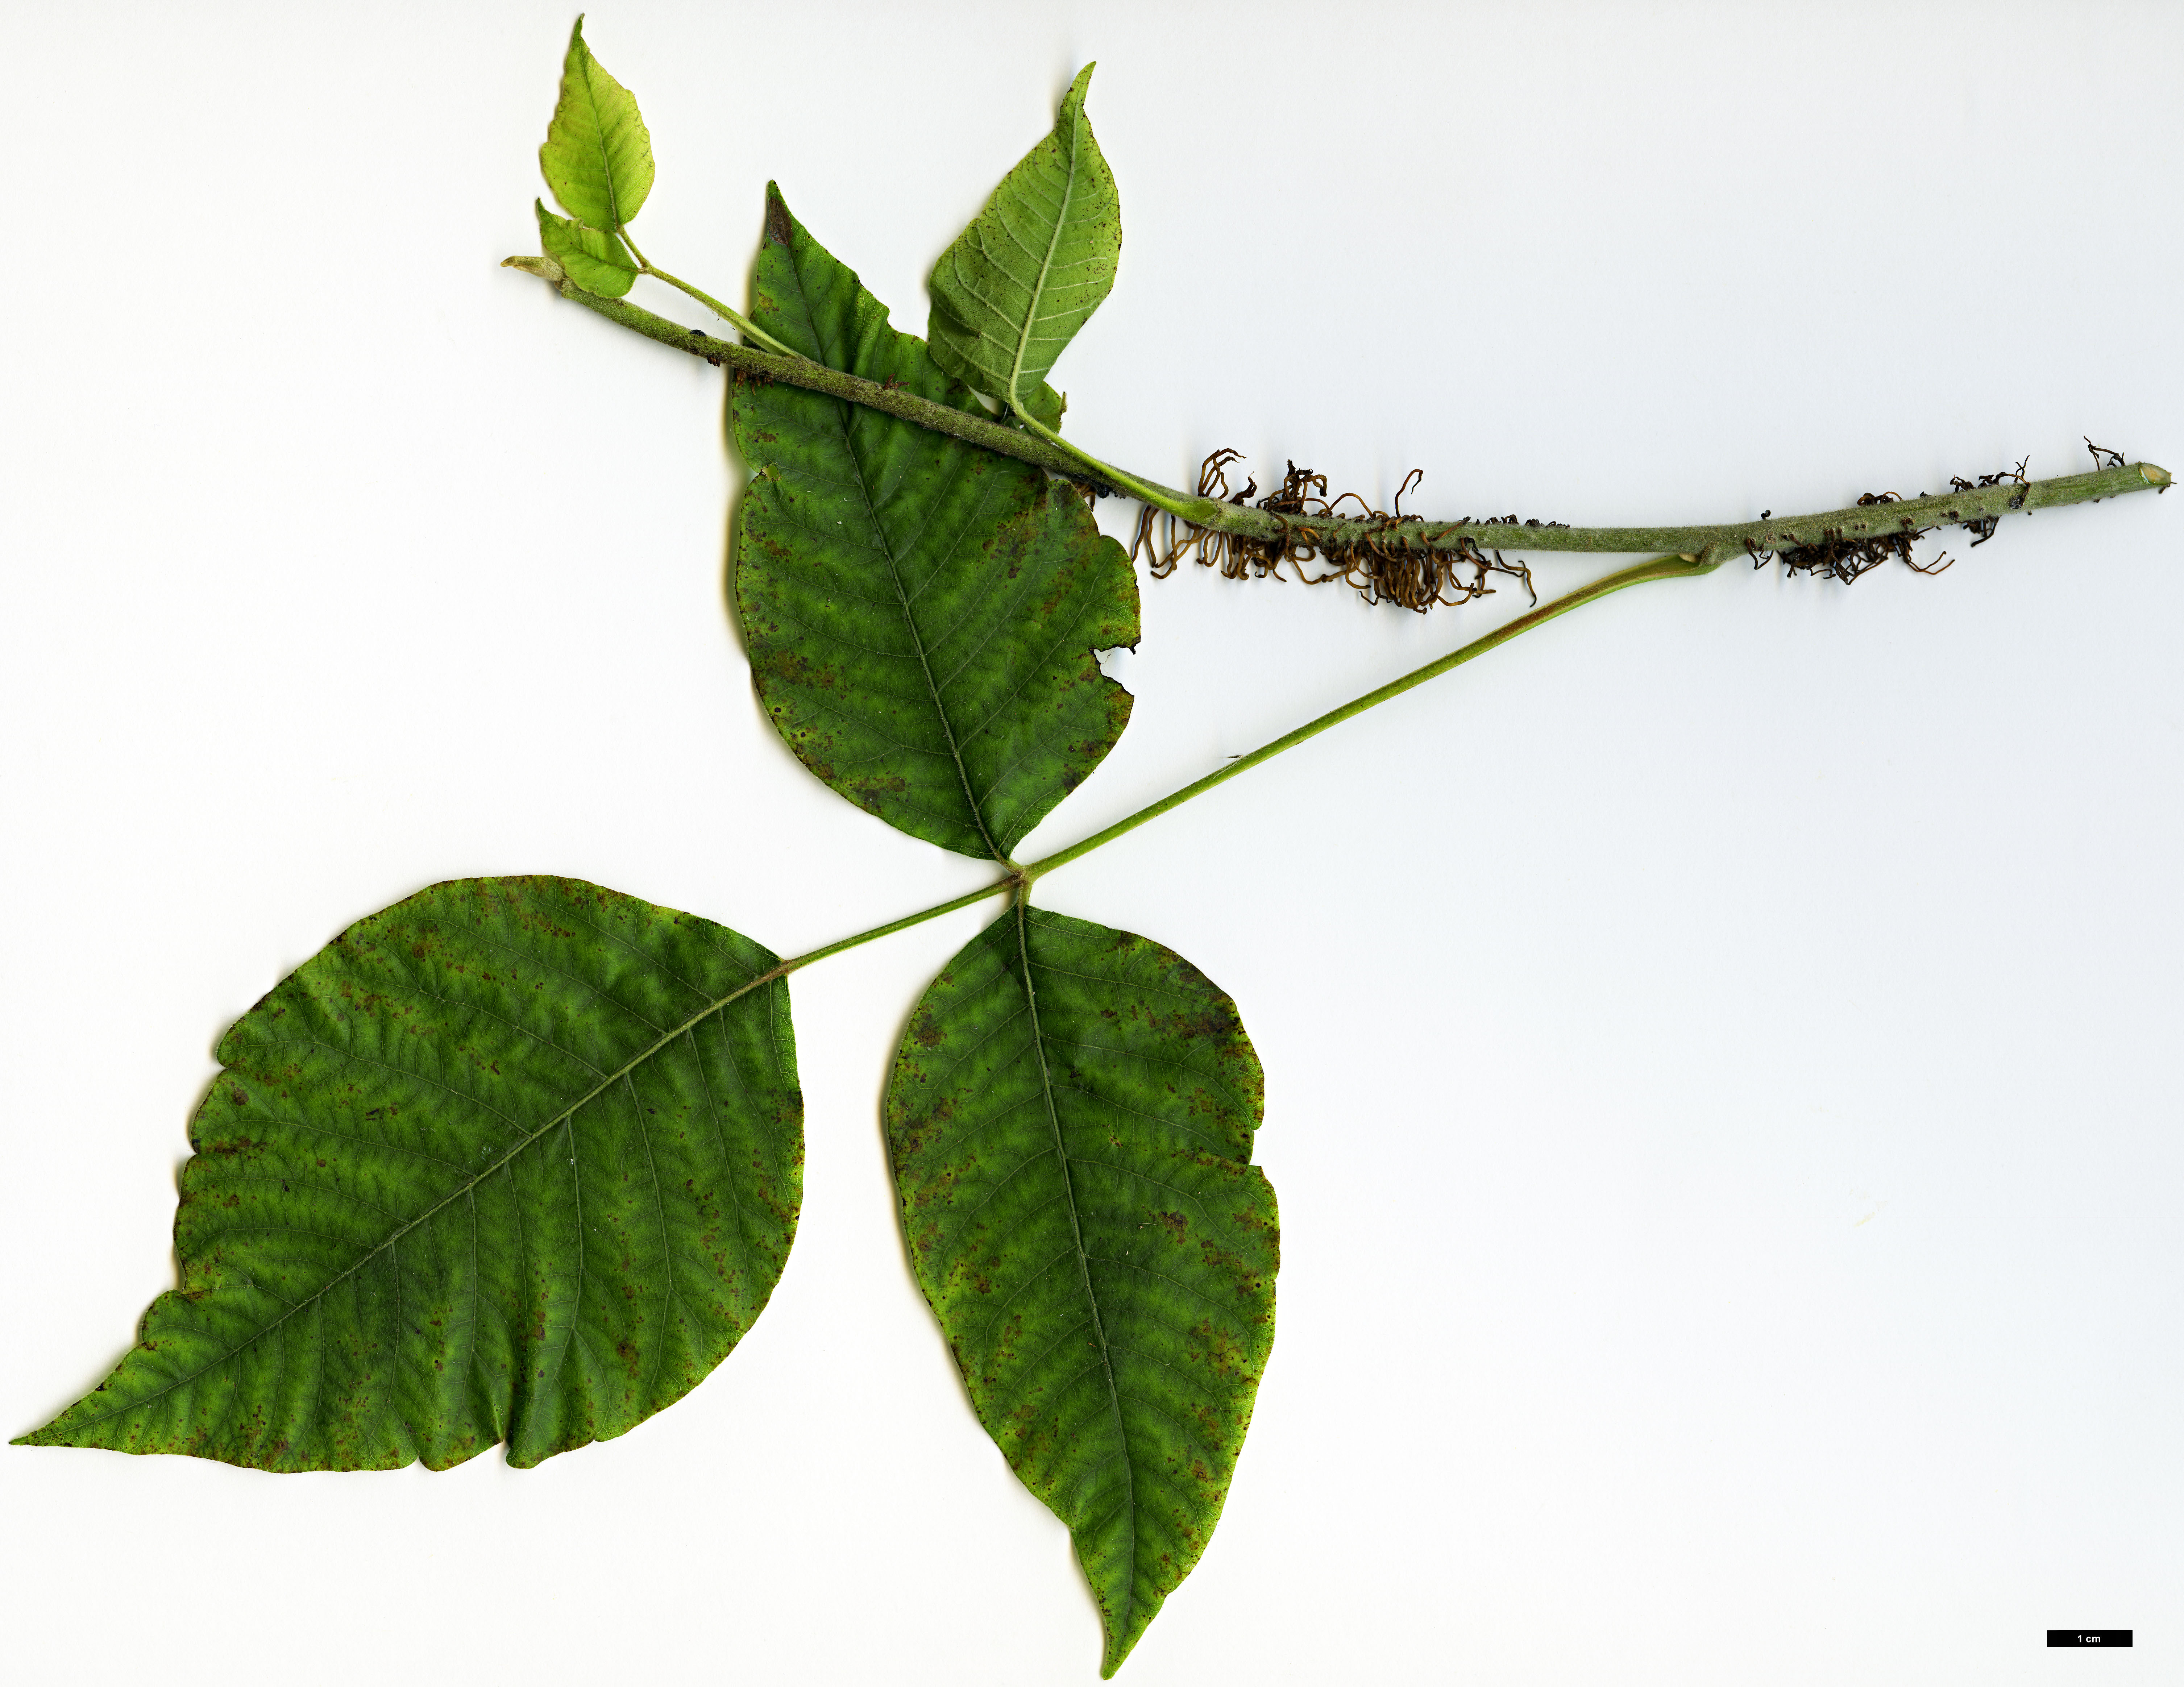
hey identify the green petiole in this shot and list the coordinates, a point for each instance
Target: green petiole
(1021, 881)
(743, 323)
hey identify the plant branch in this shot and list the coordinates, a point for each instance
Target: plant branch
(1689, 550)
(1859, 521)
(963, 425)
(1658, 568)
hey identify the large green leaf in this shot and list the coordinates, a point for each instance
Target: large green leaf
(1020, 281)
(598, 154)
(922, 614)
(1071, 1120)
(516, 1159)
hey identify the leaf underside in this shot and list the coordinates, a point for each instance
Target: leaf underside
(1071, 1120)
(1030, 269)
(516, 1159)
(922, 614)
(598, 154)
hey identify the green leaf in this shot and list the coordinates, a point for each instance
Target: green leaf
(595, 260)
(597, 156)
(1032, 267)
(1071, 1120)
(921, 614)
(517, 1159)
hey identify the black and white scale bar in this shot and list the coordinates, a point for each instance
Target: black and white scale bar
(2089, 1637)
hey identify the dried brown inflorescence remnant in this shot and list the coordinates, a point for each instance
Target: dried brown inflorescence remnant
(1389, 565)
(1387, 558)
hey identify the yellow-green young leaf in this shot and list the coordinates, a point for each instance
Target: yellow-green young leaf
(1070, 1121)
(922, 614)
(597, 157)
(1020, 281)
(516, 1160)
(595, 260)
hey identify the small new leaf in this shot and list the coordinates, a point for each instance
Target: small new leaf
(1019, 282)
(595, 260)
(597, 157)
(516, 1160)
(1070, 1121)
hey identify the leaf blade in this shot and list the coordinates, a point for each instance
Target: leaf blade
(521, 1045)
(597, 156)
(596, 261)
(920, 615)
(1027, 273)
(1070, 1122)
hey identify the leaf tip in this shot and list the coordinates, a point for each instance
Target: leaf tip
(579, 53)
(1120, 1643)
(779, 224)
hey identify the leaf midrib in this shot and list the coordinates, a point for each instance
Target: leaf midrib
(841, 357)
(780, 969)
(599, 130)
(916, 638)
(1084, 1260)
(1046, 263)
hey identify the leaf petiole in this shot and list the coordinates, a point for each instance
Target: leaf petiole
(1204, 511)
(968, 900)
(1674, 567)
(750, 329)
(1677, 567)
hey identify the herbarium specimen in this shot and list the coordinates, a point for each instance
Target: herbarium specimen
(520, 1160)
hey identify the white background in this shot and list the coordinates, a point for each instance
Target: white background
(1721, 1051)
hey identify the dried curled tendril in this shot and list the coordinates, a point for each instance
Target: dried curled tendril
(1833, 557)
(1384, 565)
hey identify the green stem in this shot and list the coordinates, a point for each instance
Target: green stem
(1047, 451)
(894, 401)
(1658, 568)
(750, 329)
